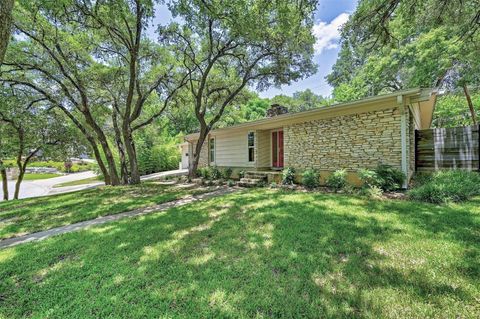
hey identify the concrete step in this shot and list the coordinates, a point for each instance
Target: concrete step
(256, 175)
(249, 182)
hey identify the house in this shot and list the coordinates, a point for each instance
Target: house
(354, 135)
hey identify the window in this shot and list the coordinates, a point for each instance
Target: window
(212, 150)
(251, 146)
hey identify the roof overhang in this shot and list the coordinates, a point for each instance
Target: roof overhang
(424, 98)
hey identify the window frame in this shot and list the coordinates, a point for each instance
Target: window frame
(251, 147)
(212, 151)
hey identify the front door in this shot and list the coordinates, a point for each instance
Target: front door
(277, 149)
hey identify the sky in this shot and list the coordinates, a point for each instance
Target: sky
(329, 16)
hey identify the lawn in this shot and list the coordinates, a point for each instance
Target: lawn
(39, 176)
(84, 181)
(258, 253)
(36, 214)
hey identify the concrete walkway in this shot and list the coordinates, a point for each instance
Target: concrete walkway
(105, 219)
(44, 187)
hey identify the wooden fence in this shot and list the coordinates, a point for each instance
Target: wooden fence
(447, 148)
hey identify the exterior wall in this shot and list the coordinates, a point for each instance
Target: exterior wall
(203, 161)
(354, 141)
(231, 149)
(411, 145)
(263, 151)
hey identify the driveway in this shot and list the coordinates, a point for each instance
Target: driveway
(44, 186)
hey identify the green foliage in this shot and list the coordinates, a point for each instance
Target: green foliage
(337, 180)
(373, 192)
(301, 101)
(369, 178)
(451, 110)
(389, 178)
(204, 172)
(288, 176)
(227, 173)
(310, 178)
(215, 173)
(230, 183)
(445, 186)
(241, 174)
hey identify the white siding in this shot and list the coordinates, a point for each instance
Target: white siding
(264, 149)
(231, 149)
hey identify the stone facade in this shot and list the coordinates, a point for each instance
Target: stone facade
(355, 141)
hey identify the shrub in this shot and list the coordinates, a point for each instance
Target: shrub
(68, 166)
(227, 173)
(310, 178)
(241, 174)
(369, 178)
(273, 185)
(230, 183)
(203, 172)
(288, 176)
(446, 186)
(390, 178)
(373, 192)
(215, 173)
(337, 180)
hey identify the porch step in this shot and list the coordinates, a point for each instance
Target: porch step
(250, 182)
(256, 175)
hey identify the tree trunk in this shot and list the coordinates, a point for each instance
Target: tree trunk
(6, 7)
(132, 157)
(192, 171)
(19, 180)
(470, 104)
(98, 157)
(121, 150)
(3, 173)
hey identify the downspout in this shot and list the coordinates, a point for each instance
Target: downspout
(403, 137)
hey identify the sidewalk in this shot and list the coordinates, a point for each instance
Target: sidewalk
(110, 218)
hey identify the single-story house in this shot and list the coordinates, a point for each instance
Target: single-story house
(354, 135)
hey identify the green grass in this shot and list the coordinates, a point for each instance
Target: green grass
(31, 215)
(261, 253)
(79, 182)
(39, 176)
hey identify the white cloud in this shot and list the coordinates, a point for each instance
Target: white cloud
(328, 34)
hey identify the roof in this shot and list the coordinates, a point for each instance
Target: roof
(424, 98)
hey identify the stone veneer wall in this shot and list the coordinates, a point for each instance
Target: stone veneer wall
(203, 161)
(351, 141)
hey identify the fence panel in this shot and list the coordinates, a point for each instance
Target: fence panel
(447, 148)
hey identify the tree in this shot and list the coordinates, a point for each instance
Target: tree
(6, 7)
(31, 127)
(228, 46)
(396, 44)
(92, 61)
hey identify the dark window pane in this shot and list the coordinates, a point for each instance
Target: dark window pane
(251, 154)
(251, 139)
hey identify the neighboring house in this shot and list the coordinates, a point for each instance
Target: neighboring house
(353, 135)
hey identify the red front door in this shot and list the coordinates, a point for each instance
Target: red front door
(277, 149)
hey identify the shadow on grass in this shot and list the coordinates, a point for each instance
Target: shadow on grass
(254, 254)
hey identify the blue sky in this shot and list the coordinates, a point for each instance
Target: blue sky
(329, 16)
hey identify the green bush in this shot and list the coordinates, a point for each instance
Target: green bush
(230, 183)
(390, 178)
(310, 178)
(203, 172)
(288, 176)
(369, 178)
(447, 186)
(227, 173)
(241, 174)
(215, 173)
(337, 180)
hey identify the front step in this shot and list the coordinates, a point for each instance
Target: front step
(256, 175)
(250, 182)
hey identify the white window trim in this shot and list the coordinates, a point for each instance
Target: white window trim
(254, 146)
